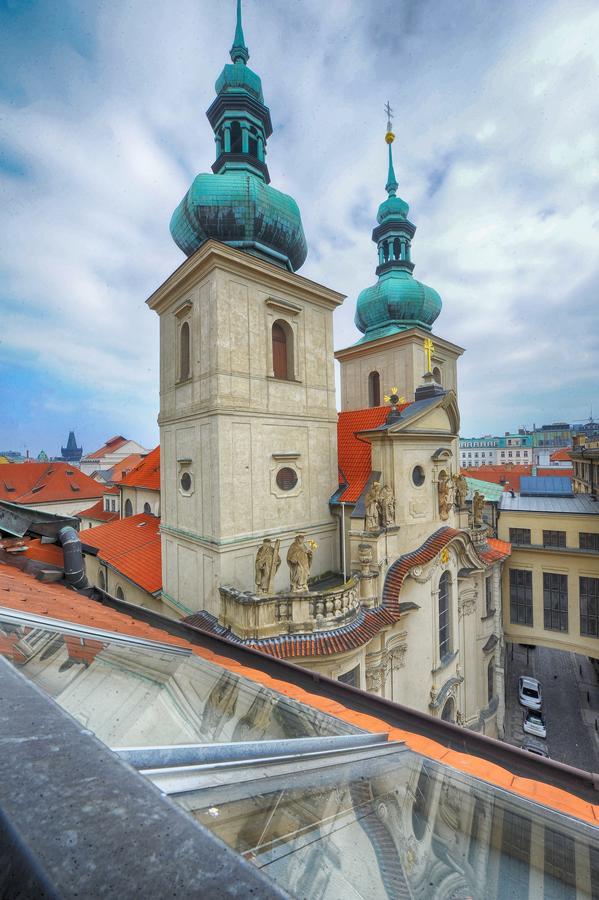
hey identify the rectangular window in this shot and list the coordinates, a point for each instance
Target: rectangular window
(554, 538)
(509, 453)
(555, 601)
(588, 541)
(352, 677)
(489, 595)
(520, 597)
(589, 606)
(560, 877)
(519, 535)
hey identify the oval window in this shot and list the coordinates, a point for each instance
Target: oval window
(186, 481)
(418, 475)
(286, 478)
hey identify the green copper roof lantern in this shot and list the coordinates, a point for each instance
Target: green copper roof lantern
(397, 301)
(236, 204)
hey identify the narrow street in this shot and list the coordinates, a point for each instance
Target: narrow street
(570, 702)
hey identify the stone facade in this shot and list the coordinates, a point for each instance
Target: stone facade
(231, 425)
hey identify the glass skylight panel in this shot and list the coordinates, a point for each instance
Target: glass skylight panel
(134, 694)
(387, 823)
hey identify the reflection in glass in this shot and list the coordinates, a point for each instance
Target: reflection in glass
(138, 696)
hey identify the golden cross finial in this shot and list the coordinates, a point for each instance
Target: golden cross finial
(428, 352)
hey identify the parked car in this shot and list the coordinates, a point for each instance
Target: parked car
(532, 745)
(534, 723)
(529, 692)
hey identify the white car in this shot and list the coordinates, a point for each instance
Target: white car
(529, 692)
(534, 723)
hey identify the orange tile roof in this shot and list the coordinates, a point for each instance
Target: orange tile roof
(98, 512)
(124, 466)
(497, 550)
(131, 546)
(353, 451)
(146, 474)
(39, 482)
(562, 455)
(21, 592)
(45, 553)
(110, 446)
(510, 476)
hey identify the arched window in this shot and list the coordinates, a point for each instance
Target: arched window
(490, 681)
(119, 594)
(444, 615)
(101, 580)
(396, 248)
(422, 801)
(236, 144)
(437, 374)
(448, 713)
(374, 389)
(147, 509)
(128, 508)
(282, 350)
(184, 352)
(253, 142)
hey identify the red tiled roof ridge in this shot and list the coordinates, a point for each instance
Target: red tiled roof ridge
(509, 474)
(111, 444)
(46, 482)
(131, 546)
(146, 474)
(97, 511)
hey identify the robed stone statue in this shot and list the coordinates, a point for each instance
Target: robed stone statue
(267, 563)
(299, 560)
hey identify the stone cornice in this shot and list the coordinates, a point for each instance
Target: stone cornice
(215, 255)
(391, 341)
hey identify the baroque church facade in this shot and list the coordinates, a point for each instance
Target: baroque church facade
(339, 541)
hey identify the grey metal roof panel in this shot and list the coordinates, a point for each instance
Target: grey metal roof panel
(580, 504)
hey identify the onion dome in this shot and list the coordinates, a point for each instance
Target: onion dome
(397, 301)
(236, 204)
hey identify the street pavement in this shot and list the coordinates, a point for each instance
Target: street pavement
(570, 703)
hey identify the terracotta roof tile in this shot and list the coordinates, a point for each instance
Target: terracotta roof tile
(354, 452)
(561, 455)
(46, 553)
(510, 476)
(38, 483)
(121, 469)
(497, 550)
(98, 512)
(110, 446)
(130, 546)
(146, 474)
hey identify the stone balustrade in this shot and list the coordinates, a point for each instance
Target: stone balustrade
(250, 615)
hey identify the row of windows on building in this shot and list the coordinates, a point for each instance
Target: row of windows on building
(555, 601)
(509, 454)
(586, 540)
(282, 351)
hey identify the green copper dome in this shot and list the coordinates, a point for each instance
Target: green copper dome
(236, 204)
(397, 301)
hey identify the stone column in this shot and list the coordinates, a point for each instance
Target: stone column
(260, 148)
(245, 144)
(227, 133)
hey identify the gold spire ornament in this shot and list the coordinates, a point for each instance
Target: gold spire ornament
(429, 349)
(389, 137)
(393, 398)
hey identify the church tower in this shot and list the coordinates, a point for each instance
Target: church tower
(247, 392)
(395, 315)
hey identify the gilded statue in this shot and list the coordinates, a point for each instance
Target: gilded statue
(478, 508)
(267, 563)
(460, 490)
(299, 560)
(444, 493)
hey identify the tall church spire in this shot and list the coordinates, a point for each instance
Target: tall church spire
(397, 301)
(236, 205)
(239, 51)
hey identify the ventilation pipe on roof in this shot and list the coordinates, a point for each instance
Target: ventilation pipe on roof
(74, 568)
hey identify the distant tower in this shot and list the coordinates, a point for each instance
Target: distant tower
(71, 453)
(396, 315)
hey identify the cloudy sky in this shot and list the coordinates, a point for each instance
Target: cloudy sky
(102, 129)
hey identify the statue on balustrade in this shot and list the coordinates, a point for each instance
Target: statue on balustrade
(380, 507)
(460, 487)
(299, 560)
(387, 506)
(267, 563)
